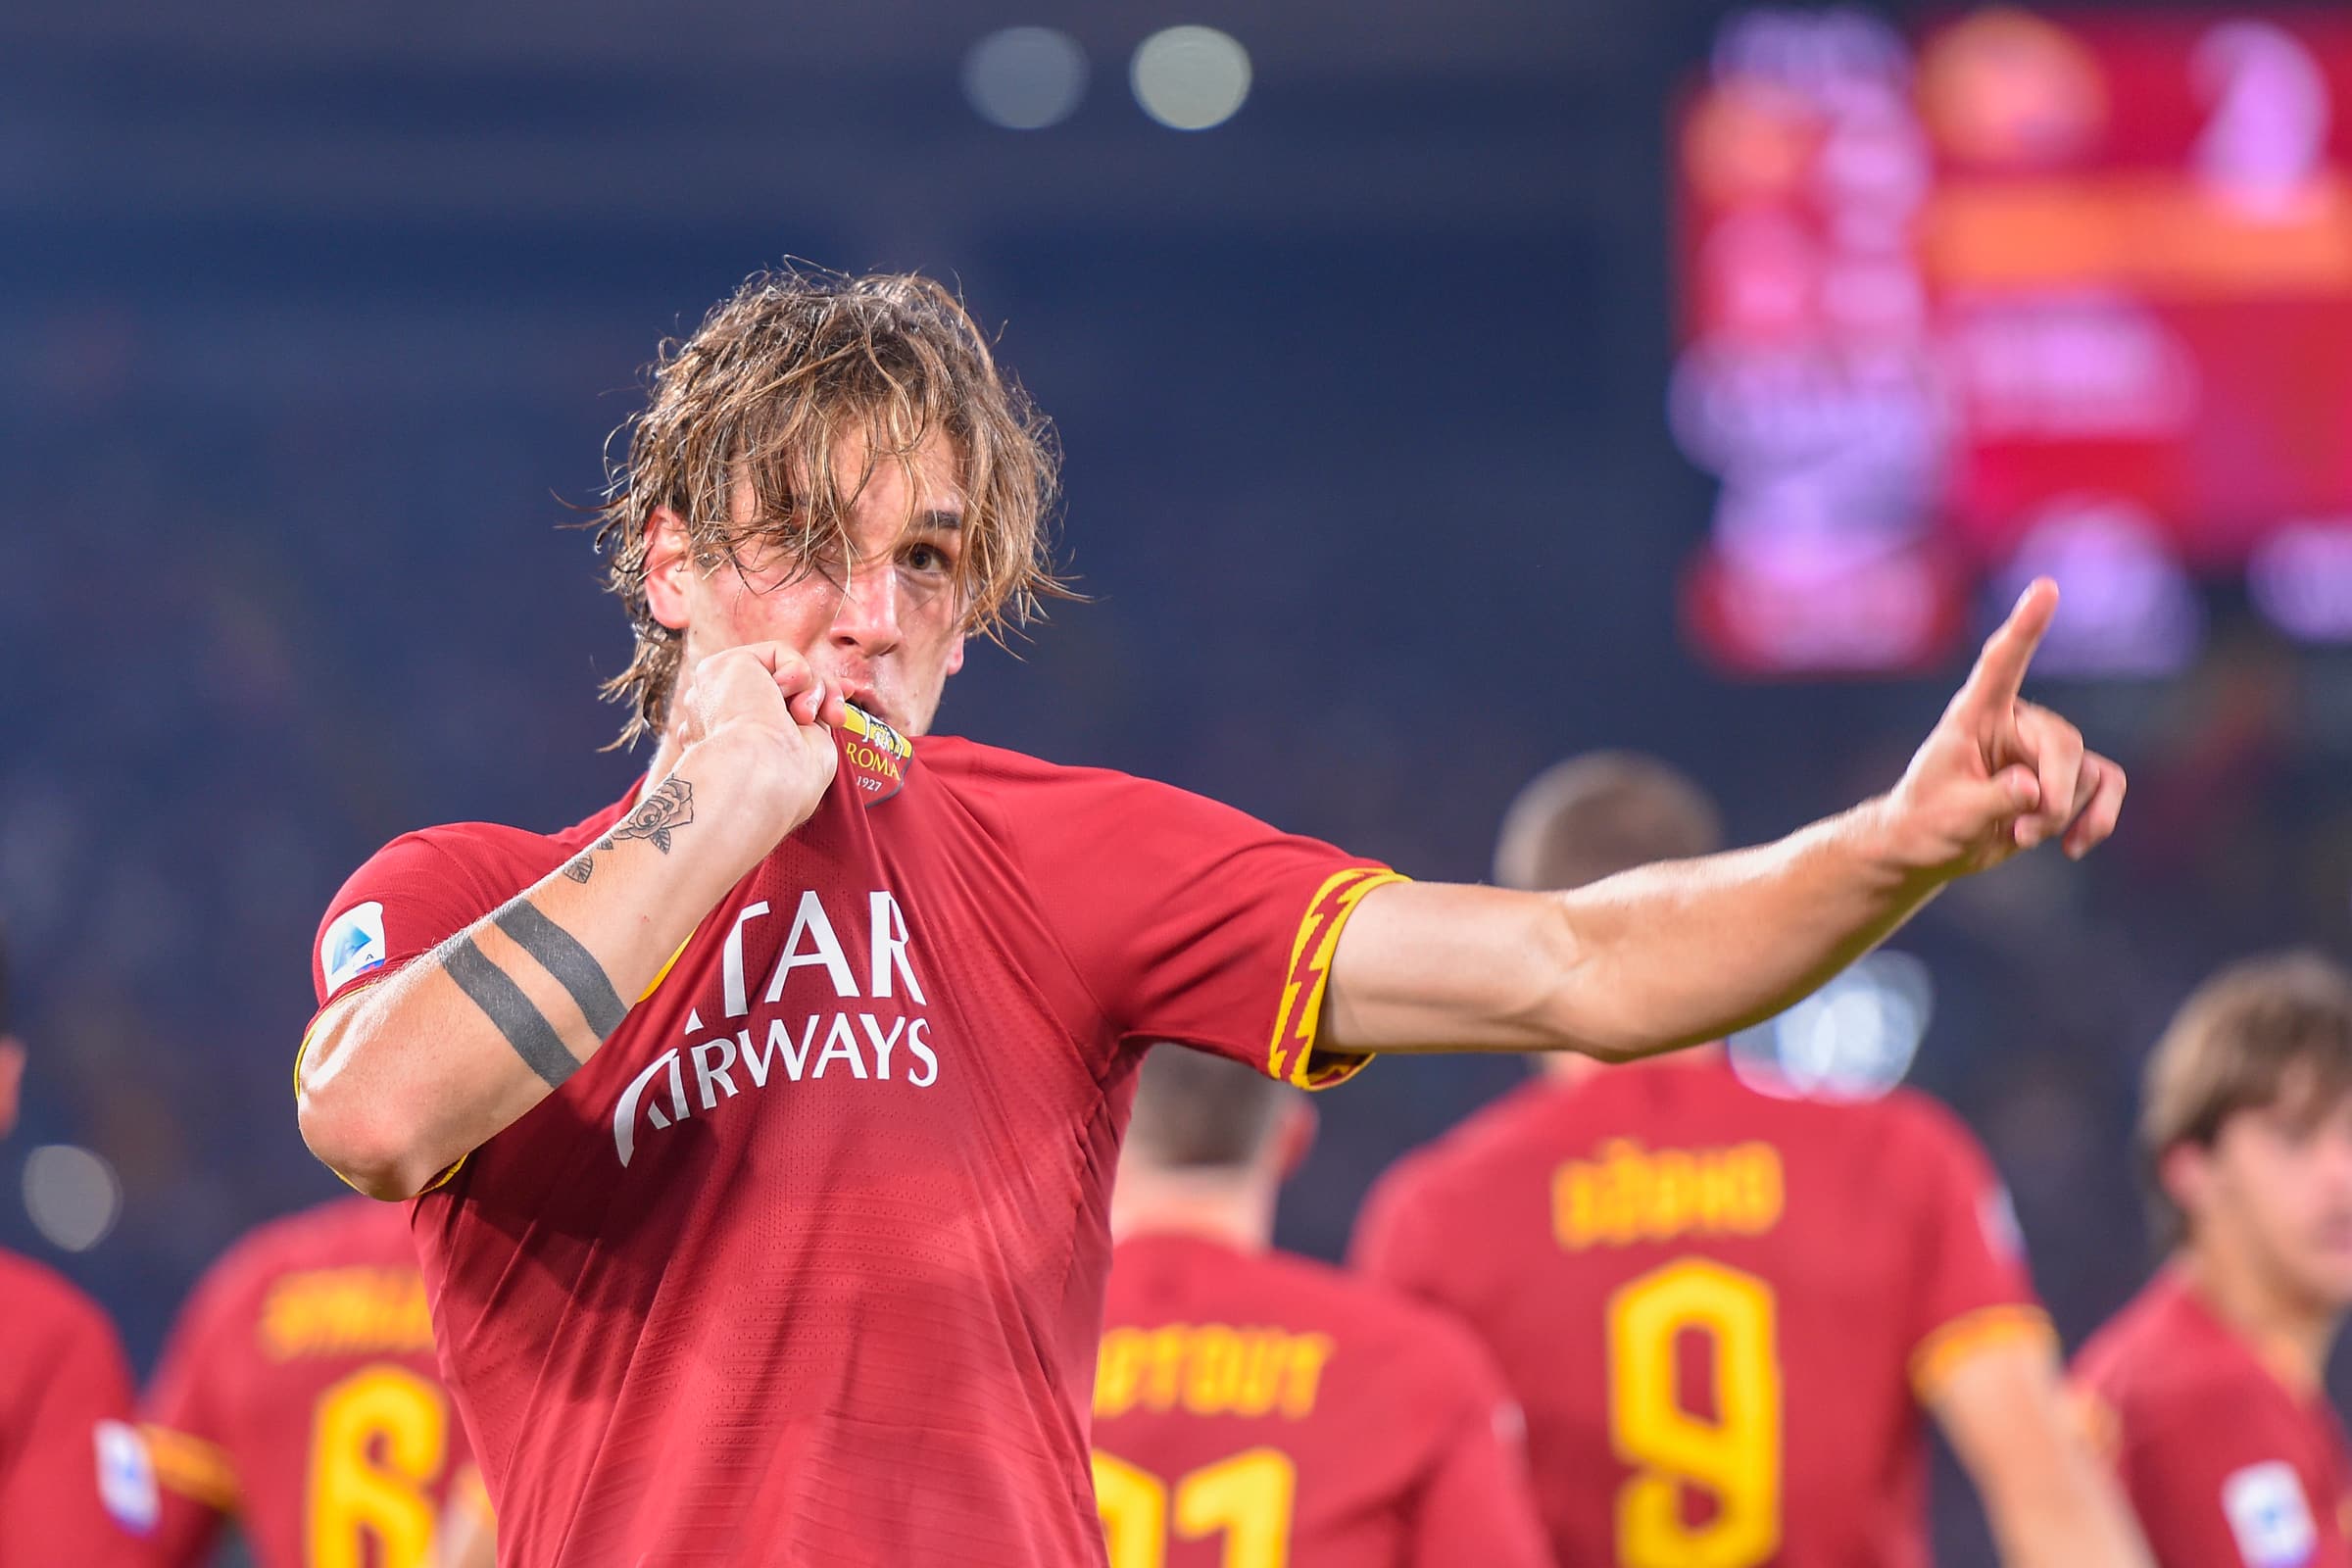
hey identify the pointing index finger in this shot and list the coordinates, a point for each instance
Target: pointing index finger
(2000, 672)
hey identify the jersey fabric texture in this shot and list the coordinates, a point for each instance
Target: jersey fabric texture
(807, 1265)
(75, 1485)
(1250, 1399)
(1720, 1309)
(2225, 1466)
(299, 1393)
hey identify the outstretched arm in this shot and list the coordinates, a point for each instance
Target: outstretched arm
(1689, 951)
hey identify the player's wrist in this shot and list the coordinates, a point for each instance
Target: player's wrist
(753, 777)
(1894, 846)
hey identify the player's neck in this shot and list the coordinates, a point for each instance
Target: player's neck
(1236, 1211)
(2289, 1333)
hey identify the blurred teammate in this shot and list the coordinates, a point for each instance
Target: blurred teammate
(1723, 1312)
(2205, 1391)
(1255, 1407)
(298, 1395)
(765, 1119)
(76, 1486)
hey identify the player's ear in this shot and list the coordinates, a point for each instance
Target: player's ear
(1296, 1136)
(955, 655)
(669, 570)
(2185, 1173)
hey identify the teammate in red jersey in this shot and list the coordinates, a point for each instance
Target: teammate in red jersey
(768, 1115)
(2206, 1389)
(298, 1395)
(75, 1483)
(1255, 1407)
(1724, 1311)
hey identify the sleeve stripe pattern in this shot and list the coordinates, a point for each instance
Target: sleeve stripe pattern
(1301, 1014)
(192, 1467)
(1943, 1352)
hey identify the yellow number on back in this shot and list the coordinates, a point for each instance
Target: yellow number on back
(377, 1443)
(1247, 1498)
(1734, 1457)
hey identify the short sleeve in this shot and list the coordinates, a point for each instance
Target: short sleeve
(1191, 922)
(1970, 1282)
(410, 896)
(80, 1489)
(186, 1420)
(2214, 1487)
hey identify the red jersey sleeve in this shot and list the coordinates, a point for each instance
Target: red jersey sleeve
(1191, 922)
(185, 1423)
(2213, 1485)
(1478, 1504)
(1970, 1282)
(78, 1487)
(410, 897)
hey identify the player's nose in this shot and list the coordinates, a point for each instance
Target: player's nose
(867, 617)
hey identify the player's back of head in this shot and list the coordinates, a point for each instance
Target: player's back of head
(1198, 1112)
(2268, 1032)
(1600, 814)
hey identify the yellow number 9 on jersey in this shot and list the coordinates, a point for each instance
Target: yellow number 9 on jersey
(378, 1440)
(1736, 1457)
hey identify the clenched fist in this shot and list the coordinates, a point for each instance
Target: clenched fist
(761, 709)
(1999, 774)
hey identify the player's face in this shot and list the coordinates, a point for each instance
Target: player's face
(2280, 1184)
(886, 628)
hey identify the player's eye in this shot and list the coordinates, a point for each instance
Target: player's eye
(927, 557)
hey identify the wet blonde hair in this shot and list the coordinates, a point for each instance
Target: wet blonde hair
(762, 395)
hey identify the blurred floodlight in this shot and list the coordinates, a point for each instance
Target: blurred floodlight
(2301, 577)
(1025, 79)
(72, 1194)
(1854, 1038)
(1190, 78)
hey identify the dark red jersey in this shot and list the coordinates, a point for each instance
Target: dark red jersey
(76, 1486)
(2225, 1466)
(1253, 1407)
(299, 1394)
(807, 1265)
(1719, 1308)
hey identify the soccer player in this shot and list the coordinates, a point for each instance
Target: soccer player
(298, 1393)
(1255, 1407)
(764, 1120)
(2205, 1391)
(75, 1484)
(1723, 1312)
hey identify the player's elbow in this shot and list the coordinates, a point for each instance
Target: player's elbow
(367, 1150)
(361, 1136)
(1568, 1008)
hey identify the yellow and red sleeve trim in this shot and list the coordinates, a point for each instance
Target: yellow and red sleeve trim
(193, 1468)
(1292, 1055)
(1943, 1352)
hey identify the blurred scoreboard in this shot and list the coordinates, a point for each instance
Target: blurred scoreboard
(2016, 294)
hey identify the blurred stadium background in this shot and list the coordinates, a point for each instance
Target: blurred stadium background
(1477, 384)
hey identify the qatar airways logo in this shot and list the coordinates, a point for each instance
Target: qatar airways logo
(870, 1044)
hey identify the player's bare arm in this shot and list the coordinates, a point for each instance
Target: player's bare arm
(1687, 951)
(400, 1080)
(2051, 1503)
